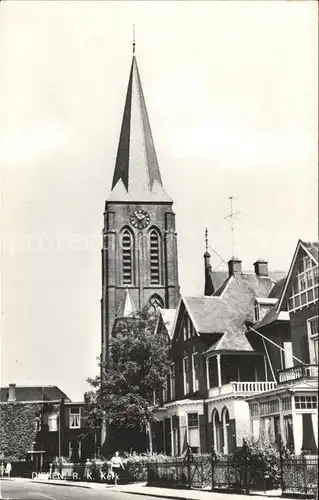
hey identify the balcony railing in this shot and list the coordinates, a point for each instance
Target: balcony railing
(297, 373)
(241, 388)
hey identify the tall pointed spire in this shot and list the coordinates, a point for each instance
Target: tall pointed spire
(136, 175)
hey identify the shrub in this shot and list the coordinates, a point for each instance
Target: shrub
(265, 453)
(137, 465)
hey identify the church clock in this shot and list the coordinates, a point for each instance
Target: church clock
(140, 219)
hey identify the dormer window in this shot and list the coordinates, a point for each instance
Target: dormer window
(262, 306)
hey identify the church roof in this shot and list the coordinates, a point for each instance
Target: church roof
(127, 307)
(137, 176)
(168, 318)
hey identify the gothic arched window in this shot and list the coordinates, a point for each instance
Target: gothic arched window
(216, 431)
(127, 243)
(155, 257)
(225, 425)
(155, 302)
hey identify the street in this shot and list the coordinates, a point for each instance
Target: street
(20, 489)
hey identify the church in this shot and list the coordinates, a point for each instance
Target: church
(220, 362)
(139, 255)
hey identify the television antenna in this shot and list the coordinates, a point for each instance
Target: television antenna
(231, 217)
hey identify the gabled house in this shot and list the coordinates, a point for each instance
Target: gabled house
(60, 425)
(291, 409)
(214, 365)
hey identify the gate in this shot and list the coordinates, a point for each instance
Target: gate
(240, 475)
(185, 472)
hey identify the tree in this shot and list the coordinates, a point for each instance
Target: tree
(138, 366)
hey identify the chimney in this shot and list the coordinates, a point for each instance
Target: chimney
(234, 266)
(261, 267)
(12, 393)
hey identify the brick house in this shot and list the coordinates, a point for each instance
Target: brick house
(214, 366)
(60, 424)
(291, 409)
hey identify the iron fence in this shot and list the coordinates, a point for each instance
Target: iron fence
(299, 475)
(240, 475)
(180, 473)
(296, 476)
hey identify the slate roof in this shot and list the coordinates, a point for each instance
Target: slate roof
(227, 310)
(34, 393)
(137, 176)
(219, 279)
(240, 290)
(277, 289)
(231, 342)
(212, 315)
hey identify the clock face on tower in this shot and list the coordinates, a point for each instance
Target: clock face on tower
(140, 219)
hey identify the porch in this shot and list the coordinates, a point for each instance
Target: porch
(233, 373)
(298, 372)
(241, 388)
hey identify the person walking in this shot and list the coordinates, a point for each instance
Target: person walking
(8, 469)
(1, 470)
(117, 467)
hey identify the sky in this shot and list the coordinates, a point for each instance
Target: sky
(231, 91)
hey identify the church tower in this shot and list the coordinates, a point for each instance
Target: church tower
(139, 254)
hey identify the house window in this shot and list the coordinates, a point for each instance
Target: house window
(75, 418)
(306, 402)
(254, 409)
(37, 424)
(154, 257)
(289, 436)
(288, 354)
(172, 381)
(269, 407)
(53, 422)
(165, 392)
(195, 371)
(312, 328)
(175, 434)
(186, 373)
(217, 431)
(305, 288)
(193, 431)
(185, 328)
(286, 404)
(127, 257)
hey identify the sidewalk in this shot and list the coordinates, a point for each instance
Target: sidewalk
(150, 491)
(142, 489)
